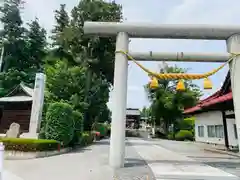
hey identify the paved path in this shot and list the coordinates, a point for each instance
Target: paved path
(10, 176)
(225, 162)
(90, 163)
(167, 164)
(145, 160)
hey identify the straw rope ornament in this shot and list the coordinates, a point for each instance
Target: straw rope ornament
(179, 76)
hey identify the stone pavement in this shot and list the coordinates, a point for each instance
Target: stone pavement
(192, 150)
(145, 160)
(167, 164)
(90, 163)
(9, 176)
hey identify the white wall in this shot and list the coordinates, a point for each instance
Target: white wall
(214, 118)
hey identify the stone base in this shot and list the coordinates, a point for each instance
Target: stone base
(29, 135)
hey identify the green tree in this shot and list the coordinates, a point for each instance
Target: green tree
(24, 50)
(36, 45)
(146, 113)
(96, 53)
(88, 77)
(62, 34)
(100, 50)
(13, 35)
(167, 103)
(65, 84)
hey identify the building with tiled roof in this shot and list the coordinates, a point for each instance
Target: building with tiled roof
(215, 119)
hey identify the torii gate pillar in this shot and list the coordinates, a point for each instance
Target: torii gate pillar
(117, 141)
(233, 46)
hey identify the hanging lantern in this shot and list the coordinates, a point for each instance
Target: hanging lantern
(153, 83)
(207, 84)
(180, 85)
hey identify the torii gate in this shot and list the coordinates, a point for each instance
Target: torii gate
(125, 30)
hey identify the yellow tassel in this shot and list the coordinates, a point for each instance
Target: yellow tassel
(207, 84)
(154, 83)
(180, 85)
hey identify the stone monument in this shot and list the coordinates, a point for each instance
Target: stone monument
(37, 105)
(14, 131)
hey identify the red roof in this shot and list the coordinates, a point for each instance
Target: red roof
(218, 97)
(212, 100)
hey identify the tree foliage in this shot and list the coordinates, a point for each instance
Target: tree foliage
(71, 56)
(24, 49)
(76, 54)
(167, 103)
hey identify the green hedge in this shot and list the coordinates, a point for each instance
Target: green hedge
(170, 136)
(86, 138)
(183, 135)
(29, 145)
(60, 122)
(78, 121)
(102, 128)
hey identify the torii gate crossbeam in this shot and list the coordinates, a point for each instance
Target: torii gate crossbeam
(125, 30)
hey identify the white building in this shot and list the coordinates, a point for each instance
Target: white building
(215, 119)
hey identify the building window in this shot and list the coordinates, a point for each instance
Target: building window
(235, 131)
(219, 131)
(215, 131)
(200, 131)
(211, 131)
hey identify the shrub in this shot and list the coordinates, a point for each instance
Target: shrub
(78, 120)
(29, 145)
(170, 136)
(78, 124)
(59, 123)
(102, 128)
(41, 134)
(86, 138)
(184, 135)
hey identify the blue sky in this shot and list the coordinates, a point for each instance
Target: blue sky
(156, 11)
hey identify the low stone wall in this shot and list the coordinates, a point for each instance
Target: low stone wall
(19, 155)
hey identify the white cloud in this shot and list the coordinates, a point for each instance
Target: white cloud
(205, 12)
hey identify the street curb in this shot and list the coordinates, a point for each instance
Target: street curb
(221, 152)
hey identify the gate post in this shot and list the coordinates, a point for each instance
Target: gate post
(117, 139)
(233, 46)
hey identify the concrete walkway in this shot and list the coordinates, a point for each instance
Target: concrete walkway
(90, 163)
(6, 175)
(167, 164)
(145, 160)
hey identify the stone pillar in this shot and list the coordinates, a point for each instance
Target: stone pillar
(117, 139)
(37, 104)
(233, 46)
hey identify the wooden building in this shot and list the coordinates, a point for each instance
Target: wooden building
(16, 107)
(132, 118)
